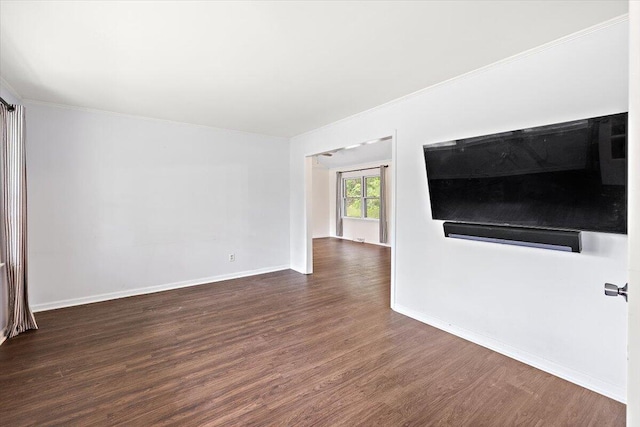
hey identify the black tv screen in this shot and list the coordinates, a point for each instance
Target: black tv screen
(570, 175)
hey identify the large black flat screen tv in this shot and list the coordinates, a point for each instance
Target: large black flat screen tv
(570, 175)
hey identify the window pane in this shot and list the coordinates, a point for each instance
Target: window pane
(353, 187)
(373, 186)
(373, 208)
(353, 207)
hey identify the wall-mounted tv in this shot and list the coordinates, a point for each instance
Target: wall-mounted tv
(570, 175)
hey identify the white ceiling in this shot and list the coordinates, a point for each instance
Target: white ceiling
(277, 68)
(374, 151)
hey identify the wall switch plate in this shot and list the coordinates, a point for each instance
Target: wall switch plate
(232, 257)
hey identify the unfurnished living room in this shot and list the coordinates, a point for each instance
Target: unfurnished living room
(284, 213)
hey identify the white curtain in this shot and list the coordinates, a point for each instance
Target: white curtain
(339, 204)
(13, 219)
(383, 204)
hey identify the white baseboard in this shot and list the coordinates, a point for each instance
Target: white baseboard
(3, 335)
(151, 289)
(386, 245)
(602, 387)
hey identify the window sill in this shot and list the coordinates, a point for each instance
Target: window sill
(361, 219)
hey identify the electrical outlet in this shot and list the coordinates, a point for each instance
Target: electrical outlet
(232, 257)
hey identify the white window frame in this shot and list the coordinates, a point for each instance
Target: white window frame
(363, 197)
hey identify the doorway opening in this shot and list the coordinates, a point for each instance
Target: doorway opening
(350, 199)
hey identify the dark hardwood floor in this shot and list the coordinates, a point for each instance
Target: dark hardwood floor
(276, 349)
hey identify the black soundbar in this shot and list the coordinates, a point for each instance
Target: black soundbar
(559, 240)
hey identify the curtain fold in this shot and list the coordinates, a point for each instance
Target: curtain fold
(339, 204)
(383, 205)
(13, 219)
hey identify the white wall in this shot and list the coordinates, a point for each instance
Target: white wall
(11, 98)
(354, 228)
(120, 205)
(633, 383)
(543, 307)
(320, 211)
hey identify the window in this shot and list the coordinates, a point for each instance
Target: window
(361, 197)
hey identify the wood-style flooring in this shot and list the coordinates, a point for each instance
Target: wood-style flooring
(275, 349)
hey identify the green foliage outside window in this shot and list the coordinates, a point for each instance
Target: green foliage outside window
(372, 196)
(373, 208)
(353, 187)
(353, 197)
(354, 207)
(373, 186)
(359, 205)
